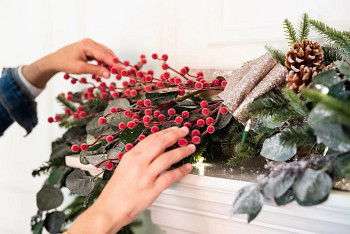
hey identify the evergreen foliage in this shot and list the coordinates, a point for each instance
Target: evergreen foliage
(298, 136)
(333, 53)
(304, 27)
(65, 103)
(48, 166)
(279, 55)
(290, 32)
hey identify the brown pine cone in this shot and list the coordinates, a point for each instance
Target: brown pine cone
(304, 60)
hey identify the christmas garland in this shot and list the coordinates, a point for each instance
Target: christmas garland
(291, 108)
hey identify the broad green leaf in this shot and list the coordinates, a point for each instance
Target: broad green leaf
(56, 176)
(96, 159)
(53, 221)
(312, 187)
(285, 198)
(326, 79)
(61, 150)
(117, 148)
(223, 121)
(49, 197)
(95, 129)
(117, 118)
(343, 67)
(80, 183)
(278, 183)
(75, 135)
(328, 131)
(274, 150)
(37, 228)
(248, 200)
(341, 165)
(161, 98)
(130, 135)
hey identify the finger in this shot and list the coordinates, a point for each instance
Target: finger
(86, 68)
(160, 141)
(164, 161)
(170, 177)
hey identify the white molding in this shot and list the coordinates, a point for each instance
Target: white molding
(201, 204)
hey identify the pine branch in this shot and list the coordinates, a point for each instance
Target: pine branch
(242, 153)
(66, 103)
(69, 123)
(290, 32)
(339, 38)
(232, 137)
(48, 166)
(333, 53)
(297, 136)
(277, 54)
(340, 108)
(304, 27)
(295, 103)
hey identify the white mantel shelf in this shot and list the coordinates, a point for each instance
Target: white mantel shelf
(201, 204)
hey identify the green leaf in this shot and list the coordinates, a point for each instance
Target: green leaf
(95, 129)
(295, 103)
(60, 151)
(326, 79)
(248, 200)
(117, 118)
(37, 228)
(343, 67)
(223, 121)
(53, 221)
(327, 130)
(302, 135)
(80, 183)
(279, 182)
(161, 98)
(117, 148)
(130, 135)
(341, 166)
(312, 188)
(279, 55)
(49, 197)
(304, 27)
(75, 135)
(107, 174)
(56, 176)
(96, 159)
(290, 32)
(274, 150)
(285, 198)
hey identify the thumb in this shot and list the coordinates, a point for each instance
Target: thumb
(95, 70)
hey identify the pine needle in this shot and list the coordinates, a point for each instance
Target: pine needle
(304, 27)
(66, 103)
(297, 136)
(333, 53)
(277, 54)
(290, 32)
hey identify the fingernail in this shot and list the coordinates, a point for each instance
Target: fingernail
(188, 166)
(191, 146)
(184, 129)
(105, 74)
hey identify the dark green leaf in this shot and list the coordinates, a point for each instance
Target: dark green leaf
(279, 182)
(328, 132)
(341, 165)
(96, 159)
(49, 197)
(117, 148)
(343, 67)
(54, 221)
(117, 118)
(75, 135)
(312, 187)
(223, 121)
(56, 176)
(259, 127)
(285, 198)
(107, 174)
(60, 151)
(326, 79)
(80, 183)
(274, 150)
(37, 228)
(298, 136)
(161, 98)
(95, 129)
(249, 200)
(130, 135)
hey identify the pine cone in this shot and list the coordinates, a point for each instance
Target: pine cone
(304, 60)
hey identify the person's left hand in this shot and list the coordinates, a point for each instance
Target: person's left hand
(71, 59)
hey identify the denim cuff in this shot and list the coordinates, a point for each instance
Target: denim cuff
(17, 100)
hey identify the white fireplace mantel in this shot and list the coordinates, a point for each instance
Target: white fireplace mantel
(201, 204)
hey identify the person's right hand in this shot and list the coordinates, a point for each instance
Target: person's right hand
(136, 182)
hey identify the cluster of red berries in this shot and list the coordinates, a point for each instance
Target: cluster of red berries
(134, 82)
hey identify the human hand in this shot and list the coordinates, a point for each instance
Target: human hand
(71, 59)
(136, 182)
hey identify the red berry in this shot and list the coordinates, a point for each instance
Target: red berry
(183, 71)
(113, 110)
(120, 155)
(73, 81)
(102, 120)
(139, 103)
(133, 93)
(131, 125)
(126, 63)
(154, 56)
(166, 75)
(196, 140)
(206, 85)
(171, 112)
(205, 111)
(185, 114)
(99, 62)
(143, 61)
(109, 138)
(179, 120)
(109, 166)
(82, 115)
(199, 74)
(125, 83)
(135, 117)
(187, 68)
(190, 82)
(177, 80)
(195, 132)
(210, 129)
(116, 60)
(115, 94)
(148, 112)
(67, 111)
(150, 72)
(148, 78)
(114, 70)
(198, 85)
(57, 117)
(209, 121)
(147, 102)
(66, 76)
(200, 123)
(80, 108)
(128, 147)
(122, 125)
(118, 77)
(142, 56)
(161, 117)
(127, 113)
(148, 88)
(223, 83)
(83, 80)
(223, 110)
(181, 92)
(182, 142)
(75, 115)
(164, 57)
(156, 113)
(146, 118)
(50, 119)
(103, 95)
(132, 81)
(84, 146)
(172, 80)
(75, 148)
(90, 90)
(103, 84)
(204, 104)
(165, 66)
(154, 129)
(141, 137)
(188, 125)
(216, 82)
(124, 73)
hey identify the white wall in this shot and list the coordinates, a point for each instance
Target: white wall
(197, 33)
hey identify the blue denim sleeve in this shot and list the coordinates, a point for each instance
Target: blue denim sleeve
(16, 102)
